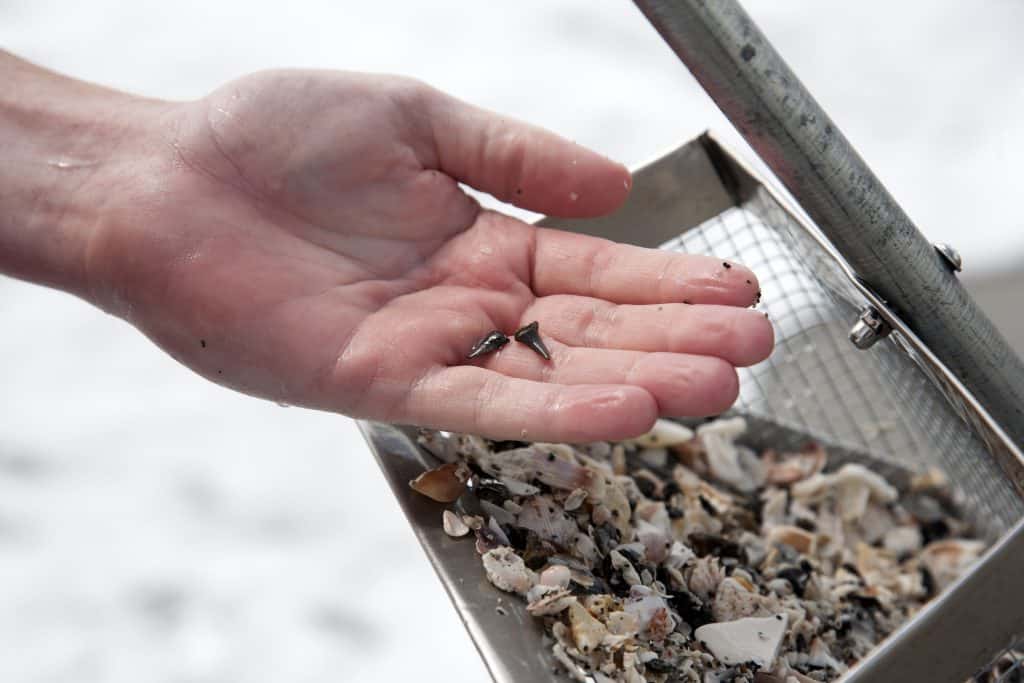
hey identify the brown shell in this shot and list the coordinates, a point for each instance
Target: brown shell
(444, 484)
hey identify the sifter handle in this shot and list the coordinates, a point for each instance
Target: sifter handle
(764, 100)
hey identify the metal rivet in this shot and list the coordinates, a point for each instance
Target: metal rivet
(950, 255)
(869, 329)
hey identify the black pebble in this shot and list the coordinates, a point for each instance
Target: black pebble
(709, 544)
(797, 578)
(659, 666)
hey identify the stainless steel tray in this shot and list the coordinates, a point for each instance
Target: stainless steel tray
(895, 406)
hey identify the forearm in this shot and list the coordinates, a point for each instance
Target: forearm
(63, 148)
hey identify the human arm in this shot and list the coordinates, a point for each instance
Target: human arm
(301, 236)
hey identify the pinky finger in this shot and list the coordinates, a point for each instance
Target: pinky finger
(478, 401)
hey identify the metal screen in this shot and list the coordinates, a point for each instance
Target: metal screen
(878, 401)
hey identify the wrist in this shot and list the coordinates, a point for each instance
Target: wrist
(69, 149)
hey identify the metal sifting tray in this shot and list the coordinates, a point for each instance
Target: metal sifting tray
(894, 407)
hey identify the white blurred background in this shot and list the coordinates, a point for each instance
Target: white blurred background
(155, 527)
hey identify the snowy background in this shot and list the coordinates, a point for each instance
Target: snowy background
(155, 527)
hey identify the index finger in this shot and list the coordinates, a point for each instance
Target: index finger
(570, 263)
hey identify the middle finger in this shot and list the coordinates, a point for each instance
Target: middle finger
(738, 335)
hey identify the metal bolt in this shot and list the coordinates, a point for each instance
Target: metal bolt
(950, 255)
(870, 327)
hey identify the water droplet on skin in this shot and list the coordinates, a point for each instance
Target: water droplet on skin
(486, 250)
(573, 196)
(65, 163)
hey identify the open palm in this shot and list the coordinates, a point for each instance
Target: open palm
(304, 238)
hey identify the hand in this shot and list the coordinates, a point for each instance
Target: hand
(302, 236)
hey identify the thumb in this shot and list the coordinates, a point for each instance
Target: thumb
(522, 164)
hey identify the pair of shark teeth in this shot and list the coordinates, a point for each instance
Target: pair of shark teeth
(495, 339)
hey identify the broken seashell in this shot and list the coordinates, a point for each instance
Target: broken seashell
(623, 623)
(453, 524)
(617, 503)
(875, 522)
(733, 601)
(664, 434)
(706, 576)
(616, 556)
(489, 537)
(575, 499)
(573, 669)
(507, 571)
(800, 540)
(655, 540)
(820, 656)
(773, 508)
(497, 512)
(654, 621)
(541, 515)
(750, 639)
(587, 632)
(854, 485)
(620, 562)
(552, 464)
(583, 547)
(948, 559)
(518, 488)
(474, 522)
(928, 480)
(788, 468)
(557, 575)
(547, 600)
(902, 540)
(444, 483)
(735, 465)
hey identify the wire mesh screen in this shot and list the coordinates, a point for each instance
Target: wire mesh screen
(877, 402)
(1008, 667)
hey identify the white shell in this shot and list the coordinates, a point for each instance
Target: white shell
(665, 433)
(623, 623)
(654, 620)
(728, 462)
(557, 575)
(453, 524)
(587, 632)
(947, 559)
(734, 601)
(754, 639)
(546, 600)
(903, 540)
(507, 571)
(854, 484)
(544, 517)
(575, 499)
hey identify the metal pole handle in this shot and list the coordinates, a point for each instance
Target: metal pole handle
(761, 96)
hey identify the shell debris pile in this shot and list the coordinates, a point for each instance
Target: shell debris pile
(686, 556)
